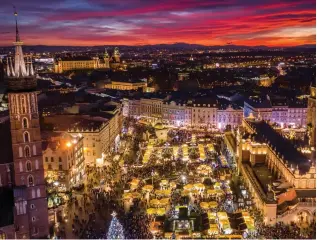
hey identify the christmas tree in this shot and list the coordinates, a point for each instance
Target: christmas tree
(115, 230)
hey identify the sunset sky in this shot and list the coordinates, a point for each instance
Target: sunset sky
(138, 22)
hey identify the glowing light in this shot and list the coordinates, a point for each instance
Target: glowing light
(68, 144)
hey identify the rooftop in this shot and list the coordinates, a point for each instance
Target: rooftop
(265, 133)
(86, 122)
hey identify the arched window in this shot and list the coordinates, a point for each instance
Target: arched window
(20, 152)
(30, 180)
(28, 166)
(26, 137)
(25, 123)
(27, 152)
(34, 150)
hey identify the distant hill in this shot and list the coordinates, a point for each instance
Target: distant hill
(176, 46)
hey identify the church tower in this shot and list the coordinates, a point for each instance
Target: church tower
(116, 55)
(30, 214)
(106, 59)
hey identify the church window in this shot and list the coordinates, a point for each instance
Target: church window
(25, 123)
(27, 152)
(26, 137)
(30, 180)
(28, 166)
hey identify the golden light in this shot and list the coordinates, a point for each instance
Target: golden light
(68, 144)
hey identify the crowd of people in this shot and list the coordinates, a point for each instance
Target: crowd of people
(283, 231)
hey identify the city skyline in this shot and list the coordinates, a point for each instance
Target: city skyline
(96, 22)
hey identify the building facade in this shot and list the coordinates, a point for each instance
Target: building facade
(277, 111)
(64, 160)
(77, 63)
(128, 85)
(280, 179)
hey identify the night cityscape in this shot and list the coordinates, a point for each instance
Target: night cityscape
(132, 119)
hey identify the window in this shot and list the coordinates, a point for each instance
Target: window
(25, 123)
(60, 167)
(36, 164)
(33, 219)
(59, 159)
(33, 193)
(52, 159)
(46, 159)
(28, 166)
(26, 137)
(27, 151)
(49, 166)
(30, 180)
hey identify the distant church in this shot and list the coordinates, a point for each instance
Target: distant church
(82, 62)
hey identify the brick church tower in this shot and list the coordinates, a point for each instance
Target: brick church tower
(30, 213)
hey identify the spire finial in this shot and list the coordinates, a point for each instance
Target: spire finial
(17, 36)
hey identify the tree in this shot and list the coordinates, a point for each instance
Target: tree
(115, 230)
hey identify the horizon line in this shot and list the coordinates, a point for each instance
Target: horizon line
(140, 45)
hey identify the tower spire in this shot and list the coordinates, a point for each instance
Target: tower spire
(17, 36)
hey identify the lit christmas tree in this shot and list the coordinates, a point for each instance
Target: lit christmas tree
(115, 230)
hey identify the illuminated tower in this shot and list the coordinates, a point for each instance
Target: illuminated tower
(106, 59)
(116, 55)
(30, 215)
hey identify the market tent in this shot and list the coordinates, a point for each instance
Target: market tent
(147, 188)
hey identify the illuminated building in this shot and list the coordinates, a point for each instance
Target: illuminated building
(183, 76)
(63, 157)
(30, 214)
(115, 59)
(229, 116)
(126, 85)
(280, 179)
(116, 55)
(276, 111)
(174, 113)
(81, 62)
(100, 131)
(311, 116)
(264, 80)
(203, 112)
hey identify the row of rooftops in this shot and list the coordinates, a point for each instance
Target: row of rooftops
(264, 133)
(276, 101)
